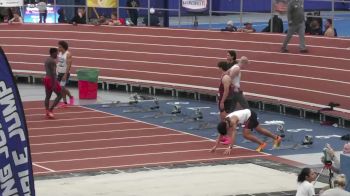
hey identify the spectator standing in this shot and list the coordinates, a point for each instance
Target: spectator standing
(296, 23)
(133, 12)
(61, 16)
(9, 14)
(42, 7)
(80, 17)
(154, 19)
(276, 23)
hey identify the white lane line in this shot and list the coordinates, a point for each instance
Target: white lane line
(42, 108)
(296, 88)
(237, 49)
(163, 36)
(205, 67)
(158, 163)
(108, 139)
(206, 77)
(127, 155)
(59, 113)
(211, 31)
(117, 147)
(42, 167)
(68, 119)
(177, 131)
(84, 125)
(94, 132)
(214, 89)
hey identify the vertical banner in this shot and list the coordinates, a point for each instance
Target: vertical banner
(31, 14)
(103, 3)
(16, 173)
(11, 3)
(195, 5)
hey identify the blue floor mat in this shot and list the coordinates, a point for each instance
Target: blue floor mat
(295, 129)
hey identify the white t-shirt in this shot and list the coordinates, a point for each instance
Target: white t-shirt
(305, 189)
(236, 79)
(242, 115)
(62, 62)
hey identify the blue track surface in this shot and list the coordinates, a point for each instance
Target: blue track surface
(291, 122)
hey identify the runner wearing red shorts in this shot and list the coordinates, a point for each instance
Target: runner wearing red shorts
(51, 83)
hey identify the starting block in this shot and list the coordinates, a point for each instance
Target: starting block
(203, 125)
(153, 108)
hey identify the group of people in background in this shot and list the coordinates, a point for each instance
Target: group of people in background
(307, 177)
(13, 15)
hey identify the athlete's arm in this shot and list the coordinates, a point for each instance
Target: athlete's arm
(234, 71)
(226, 81)
(52, 73)
(231, 132)
(69, 65)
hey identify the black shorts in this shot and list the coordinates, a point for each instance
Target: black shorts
(252, 122)
(60, 76)
(228, 106)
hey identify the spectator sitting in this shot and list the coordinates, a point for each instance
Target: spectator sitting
(248, 28)
(277, 25)
(80, 17)
(315, 28)
(339, 186)
(16, 19)
(154, 20)
(61, 16)
(114, 21)
(330, 31)
(101, 20)
(230, 27)
(309, 18)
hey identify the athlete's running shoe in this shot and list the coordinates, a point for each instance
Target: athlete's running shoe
(261, 147)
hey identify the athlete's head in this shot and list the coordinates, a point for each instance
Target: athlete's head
(222, 128)
(231, 56)
(223, 65)
(62, 46)
(53, 52)
(243, 61)
(114, 16)
(306, 174)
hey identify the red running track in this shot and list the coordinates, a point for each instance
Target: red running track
(81, 140)
(186, 59)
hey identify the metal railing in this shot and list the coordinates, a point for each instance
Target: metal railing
(178, 12)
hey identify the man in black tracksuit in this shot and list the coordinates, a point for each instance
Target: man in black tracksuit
(296, 23)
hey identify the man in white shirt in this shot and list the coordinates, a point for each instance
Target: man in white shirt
(235, 73)
(64, 65)
(42, 7)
